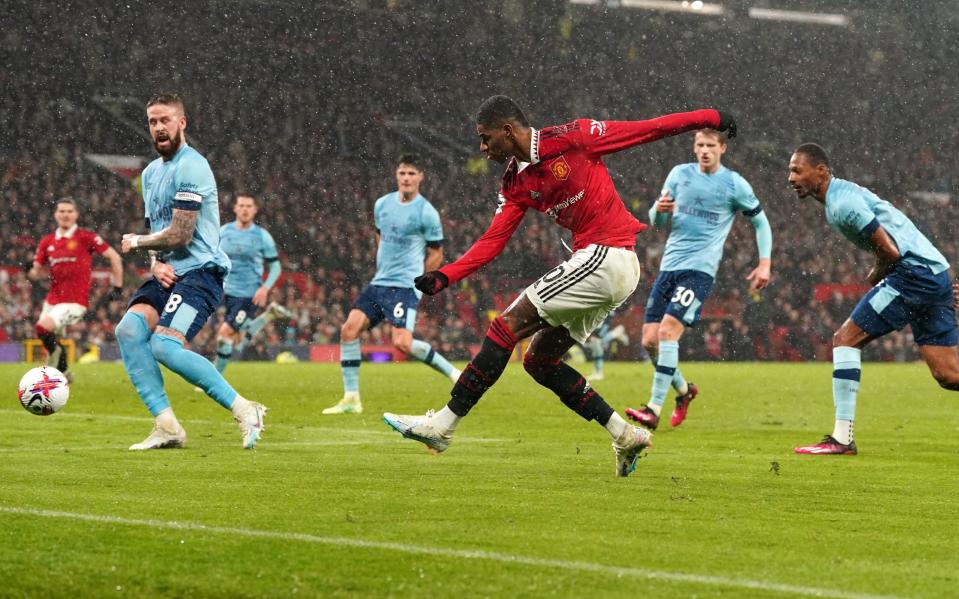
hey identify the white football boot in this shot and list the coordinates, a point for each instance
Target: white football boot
(250, 419)
(162, 438)
(278, 311)
(628, 447)
(420, 428)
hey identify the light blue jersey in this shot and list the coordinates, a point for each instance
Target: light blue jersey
(857, 212)
(247, 249)
(185, 182)
(706, 205)
(405, 229)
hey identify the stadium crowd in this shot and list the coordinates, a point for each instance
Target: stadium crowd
(309, 114)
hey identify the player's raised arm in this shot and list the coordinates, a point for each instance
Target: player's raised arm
(606, 137)
(488, 246)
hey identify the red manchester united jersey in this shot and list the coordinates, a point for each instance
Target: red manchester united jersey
(567, 180)
(69, 257)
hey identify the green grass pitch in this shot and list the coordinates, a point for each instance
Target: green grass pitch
(524, 503)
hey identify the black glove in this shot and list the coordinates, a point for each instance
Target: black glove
(727, 122)
(114, 294)
(432, 282)
(26, 265)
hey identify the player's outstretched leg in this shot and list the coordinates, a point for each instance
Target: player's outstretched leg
(133, 337)
(576, 394)
(425, 353)
(253, 327)
(847, 364)
(435, 429)
(197, 370)
(350, 359)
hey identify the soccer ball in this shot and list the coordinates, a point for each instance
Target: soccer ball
(43, 391)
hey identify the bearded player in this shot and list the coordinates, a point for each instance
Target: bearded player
(558, 171)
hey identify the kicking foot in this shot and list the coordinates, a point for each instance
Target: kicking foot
(420, 428)
(628, 448)
(251, 423)
(278, 311)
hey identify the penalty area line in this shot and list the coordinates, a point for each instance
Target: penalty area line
(464, 554)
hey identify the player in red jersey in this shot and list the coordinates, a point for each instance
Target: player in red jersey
(65, 256)
(558, 171)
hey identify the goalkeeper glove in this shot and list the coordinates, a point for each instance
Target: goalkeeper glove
(432, 282)
(727, 122)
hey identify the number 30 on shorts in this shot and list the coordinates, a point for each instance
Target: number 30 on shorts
(683, 296)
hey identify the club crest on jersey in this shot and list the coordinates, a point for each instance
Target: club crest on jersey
(560, 168)
(71, 245)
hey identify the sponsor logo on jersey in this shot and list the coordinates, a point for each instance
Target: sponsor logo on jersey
(560, 168)
(500, 201)
(54, 261)
(597, 128)
(555, 210)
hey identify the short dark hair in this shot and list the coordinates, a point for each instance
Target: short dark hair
(411, 159)
(169, 100)
(815, 153)
(245, 194)
(711, 133)
(496, 110)
(65, 200)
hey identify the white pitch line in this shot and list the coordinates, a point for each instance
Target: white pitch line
(465, 554)
(82, 448)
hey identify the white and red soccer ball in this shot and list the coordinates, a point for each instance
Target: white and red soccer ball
(43, 391)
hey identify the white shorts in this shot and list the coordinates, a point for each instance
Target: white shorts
(581, 292)
(63, 314)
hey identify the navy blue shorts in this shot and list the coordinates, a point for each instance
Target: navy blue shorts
(239, 310)
(910, 295)
(395, 304)
(188, 304)
(679, 293)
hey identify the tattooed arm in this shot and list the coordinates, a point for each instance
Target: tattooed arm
(177, 235)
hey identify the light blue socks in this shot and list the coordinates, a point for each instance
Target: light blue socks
(423, 352)
(193, 367)
(133, 336)
(350, 365)
(666, 366)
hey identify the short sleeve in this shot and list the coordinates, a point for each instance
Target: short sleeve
(267, 245)
(853, 212)
(194, 182)
(672, 182)
(744, 198)
(41, 257)
(96, 244)
(432, 227)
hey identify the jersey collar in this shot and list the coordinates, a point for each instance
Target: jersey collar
(68, 234)
(534, 146)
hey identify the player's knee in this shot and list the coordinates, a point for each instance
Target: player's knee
(537, 367)
(128, 330)
(348, 333)
(403, 345)
(947, 378)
